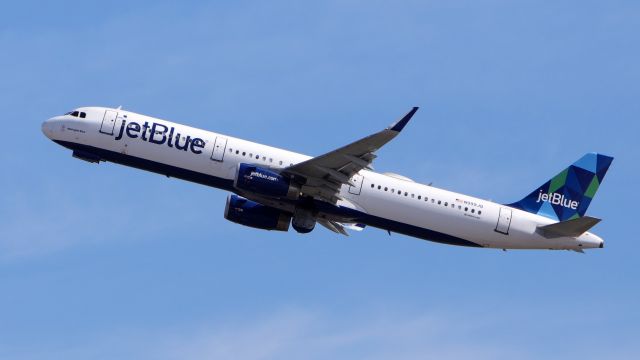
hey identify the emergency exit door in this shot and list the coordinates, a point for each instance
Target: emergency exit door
(356, 184)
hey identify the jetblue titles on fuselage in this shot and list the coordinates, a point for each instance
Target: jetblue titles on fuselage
(157, 135)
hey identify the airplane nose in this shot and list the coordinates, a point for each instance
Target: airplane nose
(46, 128)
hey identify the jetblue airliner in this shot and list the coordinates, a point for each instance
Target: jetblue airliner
(273, 189)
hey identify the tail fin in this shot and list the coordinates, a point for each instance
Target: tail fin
(568, 195)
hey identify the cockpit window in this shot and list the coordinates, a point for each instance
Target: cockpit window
(76, 113)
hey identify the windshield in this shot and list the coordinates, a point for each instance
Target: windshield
(77, 113)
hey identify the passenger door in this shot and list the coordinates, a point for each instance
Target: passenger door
(108, 122)
(219, 147)
(504, 221)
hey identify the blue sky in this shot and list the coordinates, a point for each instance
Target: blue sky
(109, 262)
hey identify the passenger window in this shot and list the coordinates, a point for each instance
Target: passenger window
(280, 162)
(479, 212)
(379, 187)
(270, 160)
(244, 153)
(439, 202)
(419, 197)
(386, 188)
(237, 152)
(372, 186)
(257, 157)
(473, 211)
(446, 204)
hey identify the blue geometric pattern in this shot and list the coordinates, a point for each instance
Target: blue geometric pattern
(568, 195)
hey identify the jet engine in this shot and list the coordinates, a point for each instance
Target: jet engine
(265, 182)
(249, 213)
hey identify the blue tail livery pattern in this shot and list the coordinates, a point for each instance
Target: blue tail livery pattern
(568, 195)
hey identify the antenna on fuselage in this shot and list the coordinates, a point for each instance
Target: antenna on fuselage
(119, 107)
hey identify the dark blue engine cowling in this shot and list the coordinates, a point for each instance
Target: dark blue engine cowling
(265, 182)
(249, 213)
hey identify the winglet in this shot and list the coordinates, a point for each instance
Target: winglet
(400, 124)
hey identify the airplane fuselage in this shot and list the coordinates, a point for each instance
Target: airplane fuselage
(385, 201)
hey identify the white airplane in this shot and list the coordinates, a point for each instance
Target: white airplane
(338, 190)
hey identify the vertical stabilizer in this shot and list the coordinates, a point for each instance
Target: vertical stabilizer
(568, 195)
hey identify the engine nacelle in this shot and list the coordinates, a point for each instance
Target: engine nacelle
(249, 213)
(265, 182)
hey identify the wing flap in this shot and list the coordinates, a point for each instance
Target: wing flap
(334, 226)
(340, 228)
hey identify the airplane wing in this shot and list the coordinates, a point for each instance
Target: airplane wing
(324, 175)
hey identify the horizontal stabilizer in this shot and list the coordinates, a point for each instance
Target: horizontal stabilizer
(568, 228)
